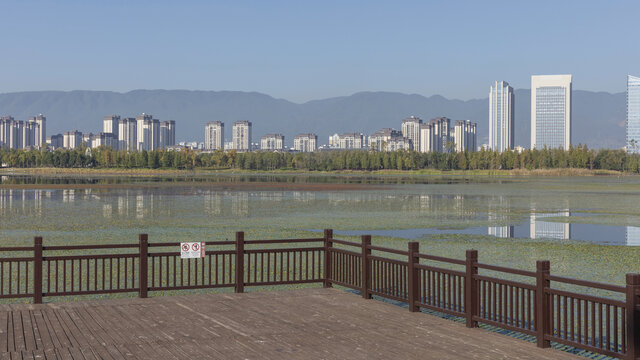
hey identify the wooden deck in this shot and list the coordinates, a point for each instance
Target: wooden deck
(298, 324)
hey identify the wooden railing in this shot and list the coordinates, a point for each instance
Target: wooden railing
(547, 307)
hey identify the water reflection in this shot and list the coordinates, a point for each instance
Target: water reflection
(144, 204)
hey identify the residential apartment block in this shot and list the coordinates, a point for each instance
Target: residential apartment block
(241, 135)
(214, 135)
(305, 142)
(411, 130)
(272, 142)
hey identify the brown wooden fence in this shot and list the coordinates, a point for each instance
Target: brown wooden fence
(550, 308)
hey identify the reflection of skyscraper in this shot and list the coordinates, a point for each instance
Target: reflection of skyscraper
(501, 231)
(547, 229)
(633, 236)
(240, 203)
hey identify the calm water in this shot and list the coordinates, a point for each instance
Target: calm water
(602, 210)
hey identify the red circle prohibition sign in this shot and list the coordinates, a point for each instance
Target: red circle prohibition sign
(185, 247)
(195, 247)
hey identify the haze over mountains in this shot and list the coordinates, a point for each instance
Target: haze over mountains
(598, 117)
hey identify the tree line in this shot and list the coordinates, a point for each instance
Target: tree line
(579, 157)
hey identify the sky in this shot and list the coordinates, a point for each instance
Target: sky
(303, 50)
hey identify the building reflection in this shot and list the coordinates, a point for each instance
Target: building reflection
(540, 229)
(497, 207)
(633, 236)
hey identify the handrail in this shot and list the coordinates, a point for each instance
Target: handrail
(441, 259)
(389, 250)
(506, 270)
(597, 285)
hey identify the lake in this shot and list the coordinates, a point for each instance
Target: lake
(588, 227)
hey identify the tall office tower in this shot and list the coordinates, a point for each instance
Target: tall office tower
(389, 140)
(349, 141)
(425, 138)
(111, 125)
(272, 142)
(633, 114)
(551, 111)
(242, 135)
(464, 135)
(128, 134)
(72, 139)
(501, 116)
(440, 134)
(305, 142)
(167, 133)
(144, 136)
(2, 133)
(411, 130)
(214, 135)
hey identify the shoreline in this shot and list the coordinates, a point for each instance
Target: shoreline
(562, 172)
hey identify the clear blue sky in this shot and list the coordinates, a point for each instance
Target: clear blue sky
(300, 50)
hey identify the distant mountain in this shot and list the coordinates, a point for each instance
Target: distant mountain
(598, 117)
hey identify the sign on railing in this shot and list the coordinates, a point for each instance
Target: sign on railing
(192, 250)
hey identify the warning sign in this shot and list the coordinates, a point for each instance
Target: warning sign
(190, 250)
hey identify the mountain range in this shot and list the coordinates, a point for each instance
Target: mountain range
(598, 117)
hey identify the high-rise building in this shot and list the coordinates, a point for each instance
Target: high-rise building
(242, 135)
(56, 141)
(501, 116)
(111, 125)
(103, 139)
(127, 134)
(40, 136)
(389, 140)
(633, 114)
(167, 133)
(72, 139)
(439, 135)
(144, 136)
(551, 111)
(411, 130)
(347, 141)
(425, 138)
(272, 142)
(214, 135)
(305, 142)
(464, 135)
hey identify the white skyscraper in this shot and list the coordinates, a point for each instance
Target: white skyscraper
(633, 114)
(501, 116)
(551, 111)
(242, 135)
(411, 130)
(214, 135)
(272, 142)
(127, 134)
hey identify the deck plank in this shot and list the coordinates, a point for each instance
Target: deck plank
(296, 324)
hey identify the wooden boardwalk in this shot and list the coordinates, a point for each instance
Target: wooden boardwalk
(297, 324)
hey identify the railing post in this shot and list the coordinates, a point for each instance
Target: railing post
(471, 289)
(328, 235)
(542, 305)
(239, 262)
(412, 277)
(143, 240)
(37, 270)
(366, 272)
(633, 316)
